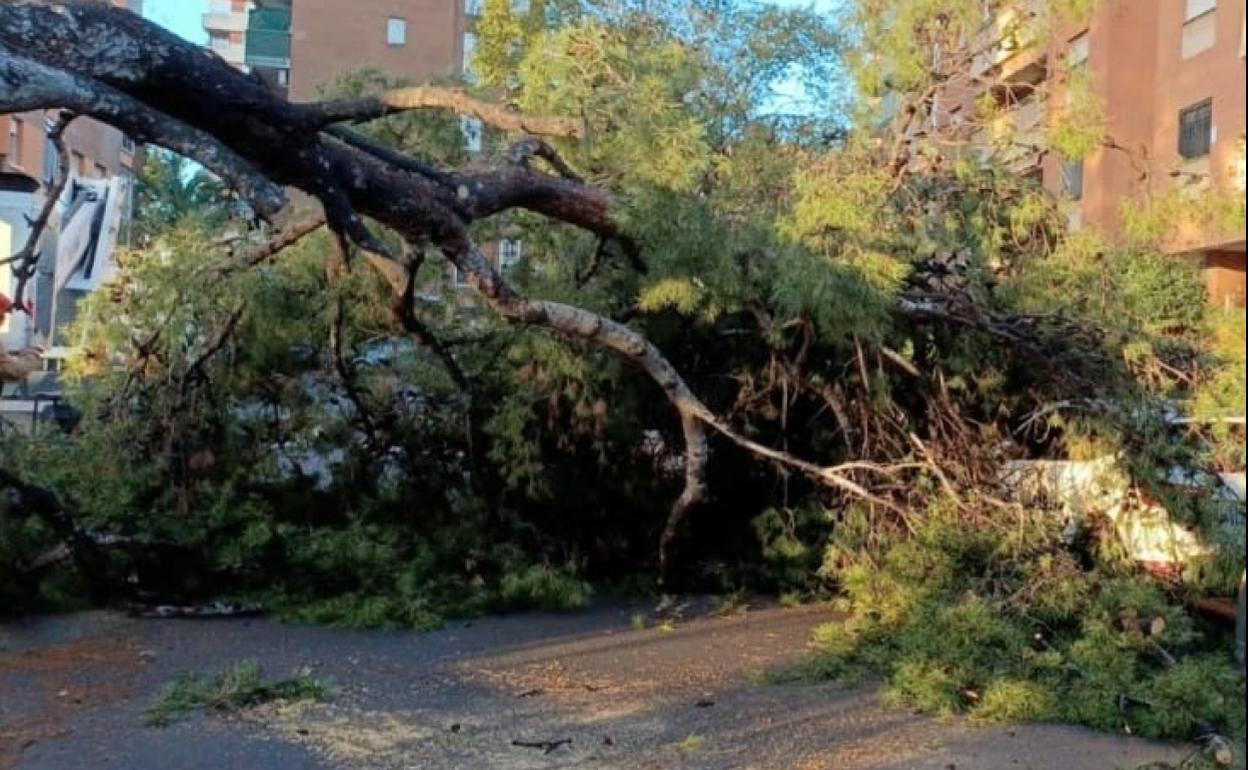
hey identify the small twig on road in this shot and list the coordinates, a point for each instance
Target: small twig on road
(547, 747)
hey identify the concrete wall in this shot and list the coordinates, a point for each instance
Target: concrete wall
(330, 37)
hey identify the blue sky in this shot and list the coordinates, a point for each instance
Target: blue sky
(181, 16)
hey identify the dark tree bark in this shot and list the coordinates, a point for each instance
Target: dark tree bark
(25, 499)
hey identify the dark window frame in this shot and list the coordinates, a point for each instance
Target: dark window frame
(17, 135)
(1193, 141)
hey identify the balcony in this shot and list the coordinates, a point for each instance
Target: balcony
(230, 51)
(225, 22)
(268, 38)
(267, 49)
(1014, 55)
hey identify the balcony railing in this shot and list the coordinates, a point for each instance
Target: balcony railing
(226, 22)
(268, 49)
(1014, 54)
(268, 38)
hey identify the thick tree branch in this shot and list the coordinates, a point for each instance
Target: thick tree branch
(532, 147)
(388, 154)
(28, 85)
(557, 197)
(449, 99)
(26, 261)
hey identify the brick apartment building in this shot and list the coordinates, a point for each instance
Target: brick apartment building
(301, 45)
(77, 250)
(1171, 76)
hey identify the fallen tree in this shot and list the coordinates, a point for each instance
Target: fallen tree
(113, 66)
(93, 60)
(863, 326)
(120, 69)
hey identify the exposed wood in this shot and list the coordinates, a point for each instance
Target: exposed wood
(447, 99)
(1219, 608)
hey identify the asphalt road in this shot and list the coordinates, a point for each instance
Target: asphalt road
(495, 693)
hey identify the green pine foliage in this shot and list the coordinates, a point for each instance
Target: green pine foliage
(238, 687)
(995, 615)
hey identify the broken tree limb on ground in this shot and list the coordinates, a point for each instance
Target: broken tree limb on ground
(546, 747)
(23, 499)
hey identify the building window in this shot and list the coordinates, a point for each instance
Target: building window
(1197, 8)
(16, 131)
(283, 78)
(127, 144)
(473, 131)
(1077, 51)
(51, 160)
(1072, 179)
(1200, 30)
(470, 52)
(1196, 130)
(509, 254)
(396, 31)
